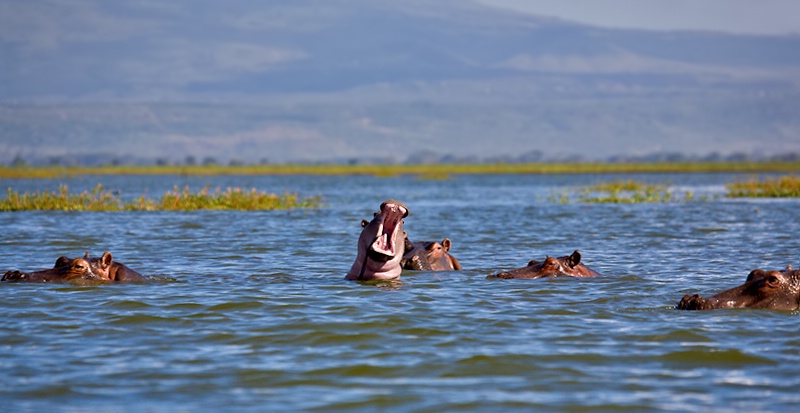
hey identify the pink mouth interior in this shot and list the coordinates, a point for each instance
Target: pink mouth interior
(384, 243)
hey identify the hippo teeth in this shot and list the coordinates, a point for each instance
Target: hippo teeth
(382, 245)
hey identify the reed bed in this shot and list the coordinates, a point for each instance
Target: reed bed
(625, 192)
(622, 192)
(101, 199)
(780, 187)
(437, 170)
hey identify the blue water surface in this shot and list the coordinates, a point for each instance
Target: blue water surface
(250, 311)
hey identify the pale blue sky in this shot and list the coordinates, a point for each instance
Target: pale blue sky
(735, 16)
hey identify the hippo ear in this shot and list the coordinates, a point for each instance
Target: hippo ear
(62, 261)
(757, 273)
(364, 223)
(106, 259)
(446, 244)
(531, 263)
(574, 259)
(86, 256)
(407, 242)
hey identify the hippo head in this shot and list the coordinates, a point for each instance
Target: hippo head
(429, 256)
(102, 266)
(551, 267)
(65, 270)
(381, 244)
(776, 290)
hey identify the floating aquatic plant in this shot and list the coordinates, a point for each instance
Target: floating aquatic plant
(623, 192)
(779, 187)
(101, 199)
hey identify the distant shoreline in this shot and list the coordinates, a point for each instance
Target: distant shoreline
(433, 171)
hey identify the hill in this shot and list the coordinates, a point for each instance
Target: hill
(374, 79)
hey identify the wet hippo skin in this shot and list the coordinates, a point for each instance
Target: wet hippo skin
(775, 290)
(551, 267)
(429, 256)
(381, 244)
(86, 269)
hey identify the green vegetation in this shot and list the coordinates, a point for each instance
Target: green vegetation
(100, 199)
(627, 191)
(437, 170)
(623, 191)
(781, 187)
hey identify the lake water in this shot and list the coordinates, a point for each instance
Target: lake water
(252, 312)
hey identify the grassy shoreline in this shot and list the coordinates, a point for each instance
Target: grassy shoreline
(101, 199)
(439, 170)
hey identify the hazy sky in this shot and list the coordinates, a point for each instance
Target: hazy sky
(737, 16)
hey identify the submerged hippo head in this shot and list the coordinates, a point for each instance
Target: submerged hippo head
(65, 270)
(776, 290)
(551, 267)
(429, 256)
(85, 269)
(111, 270)
(381, 244)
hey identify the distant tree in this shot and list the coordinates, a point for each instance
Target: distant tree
(737, 157)
(236, 162)
(531, 156)
(190, 160)
(19, 161)
(209, 160)
(162, 161)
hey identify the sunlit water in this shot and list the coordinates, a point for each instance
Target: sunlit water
(251, 311)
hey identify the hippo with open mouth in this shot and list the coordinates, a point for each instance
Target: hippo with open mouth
(84, 269)
(381, 245)
(550, 267)
(775, 290)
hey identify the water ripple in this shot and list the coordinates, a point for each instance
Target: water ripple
(250, 310)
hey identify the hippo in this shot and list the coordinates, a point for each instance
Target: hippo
(65, 269)
(429, 256)
(774, 290)
(83, 269)
(112, 270)
(551, 267)
(381, 244)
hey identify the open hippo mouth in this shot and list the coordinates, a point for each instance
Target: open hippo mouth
(385, 246)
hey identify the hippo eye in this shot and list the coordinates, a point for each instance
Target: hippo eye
(772, 280)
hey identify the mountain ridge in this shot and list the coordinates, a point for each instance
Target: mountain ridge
(312, 80)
